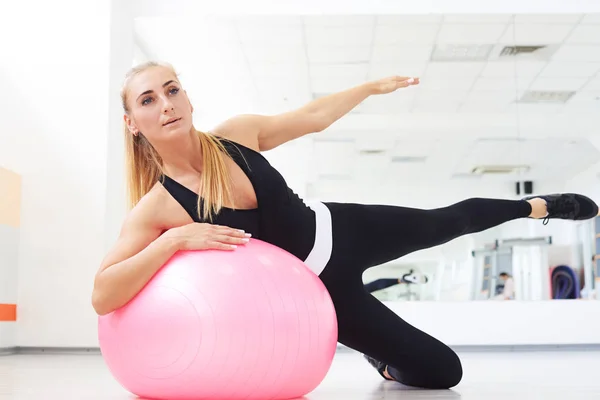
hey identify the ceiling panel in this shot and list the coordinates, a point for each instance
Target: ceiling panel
(334, 158)
(276, 70)
(487, 105)
(383, 70)
(338, 54)
(584, 102)
(371, 167)
(413, 148)
(478, 18)
(593, 85)
(285, 60)
(451, 70)
(591, 19)
(538, 155)
(438, 101)
(578, 52)
(558, 84)
(339, 36)
(388, 53)
(375, 142)
(391, 103)
(250, 21)
(258, 35)
(408, 19)
(339, 20)
(406, 34)
(446, 154)
(331, 84)
(487, 101)
(259, 53)
(586, 34)
(165, 31)
(569, 69)
(554, 156)
(511, 68)
(283, 87)
(435, 84)
(536, 34)
(470, 33)
(403, 173)
(510, 86)
(339, 70)
(548, 18)
(489, 152)
(435, 107)
(523, 109)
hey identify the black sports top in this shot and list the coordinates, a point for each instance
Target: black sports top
(281, 218)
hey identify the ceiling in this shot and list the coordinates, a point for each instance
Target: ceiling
(474, 107)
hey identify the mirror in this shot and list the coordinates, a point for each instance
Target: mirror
(508, 107)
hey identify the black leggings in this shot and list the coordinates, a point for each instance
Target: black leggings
(368, 235)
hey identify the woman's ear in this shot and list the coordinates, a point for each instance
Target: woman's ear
(130, 125)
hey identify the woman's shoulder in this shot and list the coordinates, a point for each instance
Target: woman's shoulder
(157, 209)
(240, 129)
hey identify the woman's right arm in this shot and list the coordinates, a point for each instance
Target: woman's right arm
(141, 251)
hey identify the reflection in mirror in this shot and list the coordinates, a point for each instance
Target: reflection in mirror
(507, 107)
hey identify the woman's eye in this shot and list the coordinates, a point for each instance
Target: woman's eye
(174, 90)
(146, 101)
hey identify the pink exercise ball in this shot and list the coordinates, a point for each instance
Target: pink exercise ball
(253, 323)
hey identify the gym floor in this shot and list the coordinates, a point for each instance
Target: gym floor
(515, 375)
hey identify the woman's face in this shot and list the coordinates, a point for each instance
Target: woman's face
(158, 106)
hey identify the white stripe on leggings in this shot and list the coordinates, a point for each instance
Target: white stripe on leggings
(323, 246)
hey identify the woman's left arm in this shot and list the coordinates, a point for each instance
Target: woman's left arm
(268, 132)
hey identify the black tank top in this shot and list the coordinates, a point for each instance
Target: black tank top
(281, 218)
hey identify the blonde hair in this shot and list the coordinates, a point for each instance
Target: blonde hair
(144, 166)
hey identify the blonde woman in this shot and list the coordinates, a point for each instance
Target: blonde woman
(191, 190)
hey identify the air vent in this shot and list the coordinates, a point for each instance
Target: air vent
(499, 169)
(372, 152)
(409, 159)
(546, 97)
(448, 52)
(516, 50)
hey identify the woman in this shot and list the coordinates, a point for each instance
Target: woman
(170, 163)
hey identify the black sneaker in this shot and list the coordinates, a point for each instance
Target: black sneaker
(571, 206)
(378, 365)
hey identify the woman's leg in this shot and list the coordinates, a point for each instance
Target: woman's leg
(369, 235)
(366, 325)
(375, 234)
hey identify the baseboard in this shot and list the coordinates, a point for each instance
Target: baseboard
(459, 349)
(7, 351)
(513, 348)
(526, 348)
(49, 350)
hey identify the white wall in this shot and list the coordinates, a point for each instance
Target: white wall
(554, 322)
(58, 117)
(54, 117)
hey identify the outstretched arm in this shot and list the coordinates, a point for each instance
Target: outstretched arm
(268, 132)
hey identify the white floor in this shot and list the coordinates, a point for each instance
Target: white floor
(559, 375)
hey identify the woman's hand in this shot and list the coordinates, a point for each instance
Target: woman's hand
(203, 236)
(393, 83)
